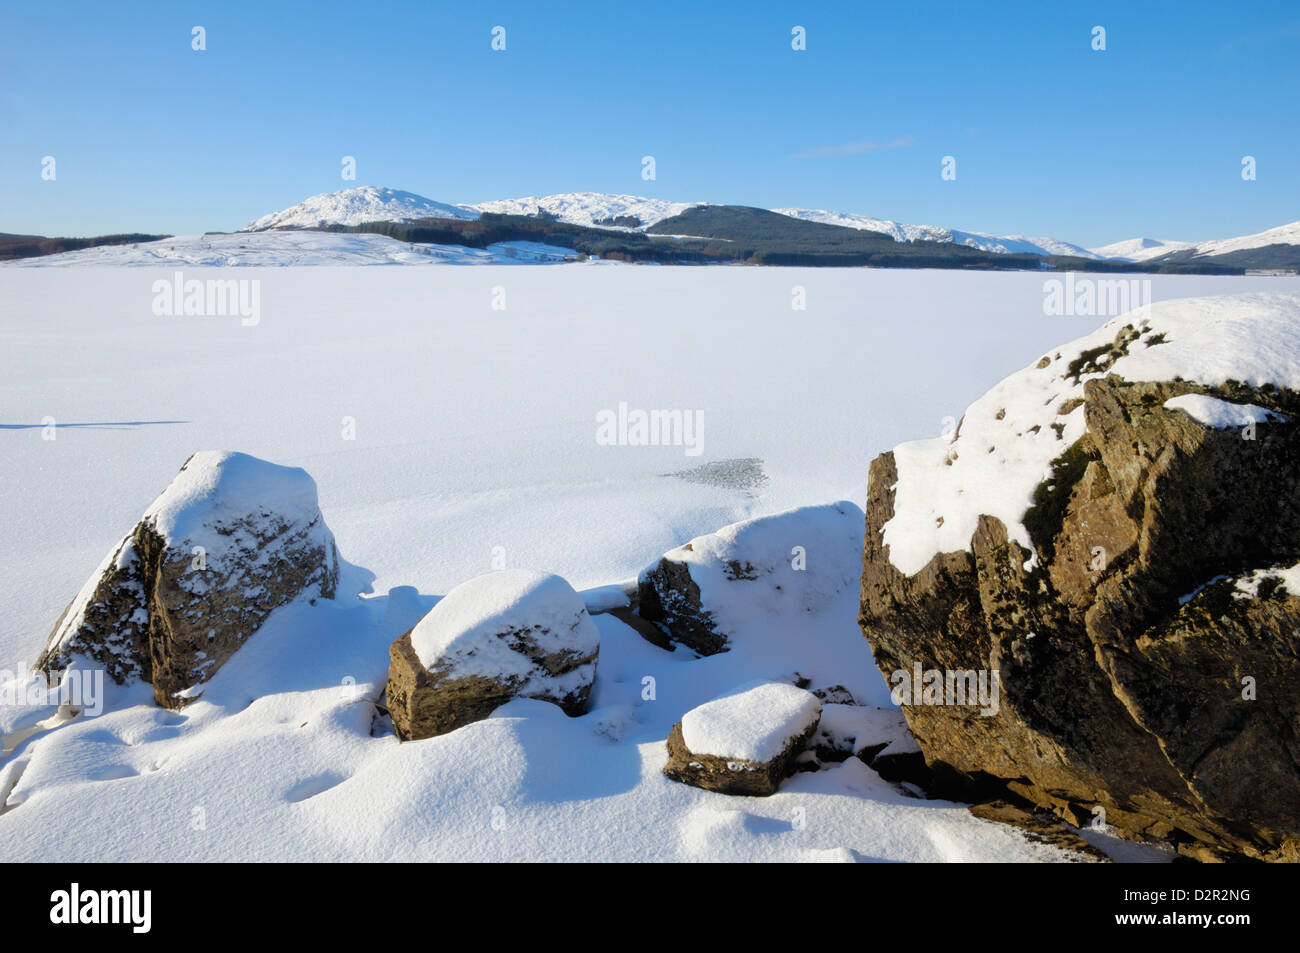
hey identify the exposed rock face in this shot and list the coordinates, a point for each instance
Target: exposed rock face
(669, 597)
(229, 541)
(702, 592)
(509, 634)
(1040, 827)
(1148, 638)
(745, 742)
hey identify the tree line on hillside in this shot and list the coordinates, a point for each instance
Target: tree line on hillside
(35, 246)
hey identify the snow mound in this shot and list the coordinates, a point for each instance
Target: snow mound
(481, 627)
(367, 203)
(769, 567)
(1221, 414)
(1006, 442)
(215, 487)
(799, 558)
(589, 208)
(755, 722)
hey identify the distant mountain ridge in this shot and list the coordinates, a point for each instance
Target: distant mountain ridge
(631, 213)
(628, 228)
(1002, 244)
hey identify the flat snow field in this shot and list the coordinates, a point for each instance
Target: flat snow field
(448, 438)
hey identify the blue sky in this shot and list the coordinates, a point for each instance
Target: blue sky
(1050, 137)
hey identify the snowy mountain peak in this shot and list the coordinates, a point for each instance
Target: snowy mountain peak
(591, 208)
(367, 203)
(1139, 249)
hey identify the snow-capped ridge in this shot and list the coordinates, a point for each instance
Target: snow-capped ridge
(1139, 249)
(1146, 249)
(590, 208)
(999, 244)
(357, 206)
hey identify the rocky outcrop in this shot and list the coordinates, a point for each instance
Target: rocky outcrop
(702, 593)
(1142, 614)
(229, 541)
(745, 742)
(509, 634)
(1040, 827)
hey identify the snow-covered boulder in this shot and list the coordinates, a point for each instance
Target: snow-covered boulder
(795, 562)
(744, 742)
(1109, 531)
(508, 634)
(230, 540)
(862, 731)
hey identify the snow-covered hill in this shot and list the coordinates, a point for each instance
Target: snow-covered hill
(1139, 249)
(589, 208)
(1146, 249)
(356, 206)
(1000, 244)
(280, 248)
(1282, 235)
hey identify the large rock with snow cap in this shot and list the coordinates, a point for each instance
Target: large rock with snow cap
(744, 742)
(1112, 530)
(229, 541)
(793, 562)
(508, 634)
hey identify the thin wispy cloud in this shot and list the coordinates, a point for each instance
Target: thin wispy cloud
(855, 148)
